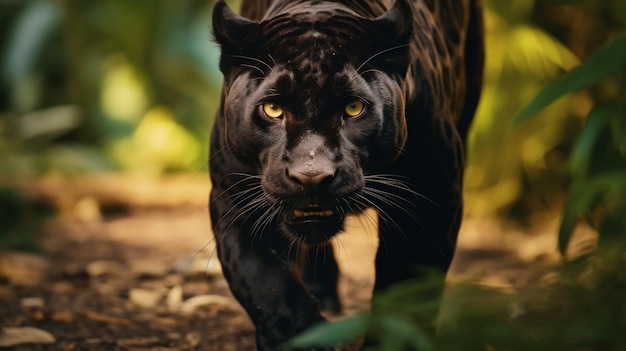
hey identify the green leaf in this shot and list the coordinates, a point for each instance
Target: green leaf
(605, 62)
(580, 200)
(48, 122)
(36, 24)
(583, 149)
(619, 129)
(329, 334)
(396, 333)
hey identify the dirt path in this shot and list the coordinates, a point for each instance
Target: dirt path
(125, 268)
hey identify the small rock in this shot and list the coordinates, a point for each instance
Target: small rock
(175, 298)
(12, 336)
(103, 267)
(87, 209)
(145, 298)
(32, 303)
(193, 303)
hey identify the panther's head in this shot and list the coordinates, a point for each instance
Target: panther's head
(313, 99)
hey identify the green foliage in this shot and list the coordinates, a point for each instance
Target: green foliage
(520, 59)
(137, 79)
(401, 319)
(606, 62)
(328, 334)
(581, 309)
(598, 160)
(20, 221)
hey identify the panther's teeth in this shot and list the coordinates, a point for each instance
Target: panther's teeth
(325, 213)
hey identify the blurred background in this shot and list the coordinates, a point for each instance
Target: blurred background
(105, 112)
(131, 86)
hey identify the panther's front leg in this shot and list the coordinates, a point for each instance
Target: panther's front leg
(262, 278)
(266, 286)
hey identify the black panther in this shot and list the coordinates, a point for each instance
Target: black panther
(329, 108)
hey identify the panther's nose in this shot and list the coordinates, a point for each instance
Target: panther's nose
(311, 179)
(312, 166)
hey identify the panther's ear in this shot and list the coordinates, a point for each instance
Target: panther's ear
(230, 29)
(391, 34)
(397, 22)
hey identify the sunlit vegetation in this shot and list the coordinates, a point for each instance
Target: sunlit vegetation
(106, 85)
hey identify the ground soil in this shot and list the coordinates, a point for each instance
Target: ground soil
(129, 264)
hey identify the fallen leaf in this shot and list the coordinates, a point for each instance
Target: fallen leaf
(193, 303)
(99, 317)
(12, 336)
(145, 298)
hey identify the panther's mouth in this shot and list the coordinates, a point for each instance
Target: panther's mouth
(313, 224)
(313, 214)
(308, 213)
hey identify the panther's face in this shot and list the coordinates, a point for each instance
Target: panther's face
(314, 101)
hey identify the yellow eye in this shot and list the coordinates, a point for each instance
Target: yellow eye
(272, 110)
(354, 108)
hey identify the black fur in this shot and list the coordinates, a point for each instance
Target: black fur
(282, 187)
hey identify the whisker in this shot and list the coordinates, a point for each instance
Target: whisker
(247, 177)
(203, 169)
(393, 182)
(255, 198)
(262, 222)
(216, 153)
(388, 199)
(254, 67)
(271, 58)
(380, 53)
(253, 59)
(372, 70)
(203, 247)
(247, 208)
(204, 210)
